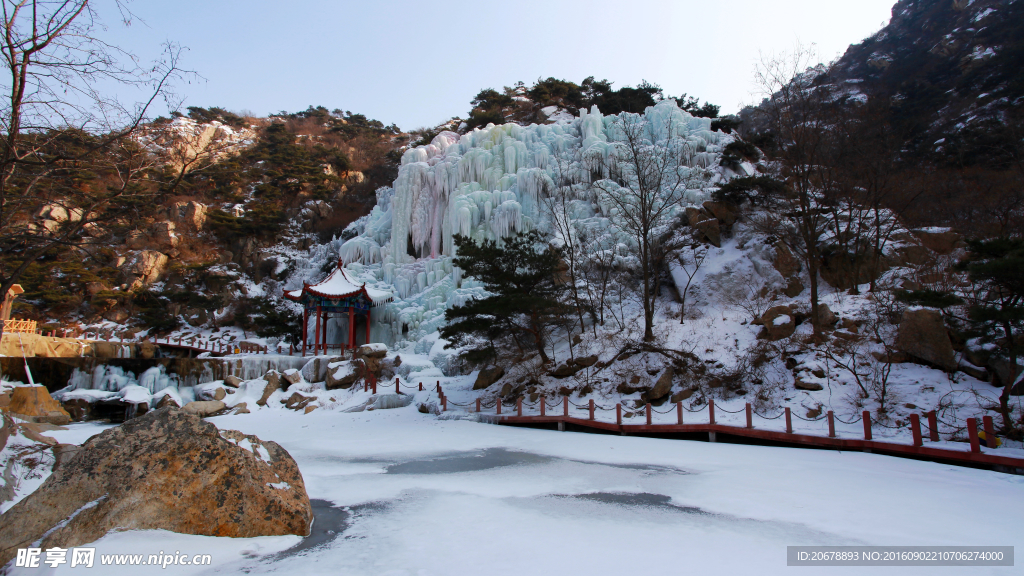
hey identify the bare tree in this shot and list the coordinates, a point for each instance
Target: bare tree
(648, 182)
(54, 122)
(691, 258)
(798, 111)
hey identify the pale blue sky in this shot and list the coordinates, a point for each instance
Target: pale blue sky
(419, 63)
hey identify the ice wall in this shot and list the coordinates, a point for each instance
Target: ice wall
(488, 184)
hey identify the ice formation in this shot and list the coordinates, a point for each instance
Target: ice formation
(488, 184)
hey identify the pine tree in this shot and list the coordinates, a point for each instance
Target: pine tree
(523, 298)
(999, 317)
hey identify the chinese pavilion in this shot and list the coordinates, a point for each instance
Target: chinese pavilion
(337, 295)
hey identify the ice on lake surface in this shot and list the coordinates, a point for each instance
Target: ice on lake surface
(397, 492)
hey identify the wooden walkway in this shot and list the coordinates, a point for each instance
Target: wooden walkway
(749, 434)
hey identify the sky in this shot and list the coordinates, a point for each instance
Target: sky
(417, 64)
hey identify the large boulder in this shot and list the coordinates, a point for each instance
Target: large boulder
(922, 334)
(488, 376)
(826, 318)
(779, 322)
(785, 261)
(344, 374)
(167, 470)
(144, 268)
(372, 356)
(939, 240)
(203, 408)
(722, 211)
(189, 215)
(34, 404)
(711, 231)
(661, 389)
(163, 234)
(273, 380)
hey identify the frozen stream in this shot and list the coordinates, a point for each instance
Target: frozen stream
(402, 493)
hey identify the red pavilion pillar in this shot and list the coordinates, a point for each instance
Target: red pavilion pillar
(323, 337)
(305, 326)
(351, 328)
(316, 338)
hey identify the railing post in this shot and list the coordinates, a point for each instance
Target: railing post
(915, 428)
(990, 432)
(498, 404)
(543, 406)
(374, 383)
(750, 417)
(789, 421)
(679, 412)
(831, 424)
(618, 413)
(439, 387)
(933, 426)
(867, 424)
(591, 406)
(444, 404)
(421, 386)
(647, 410)
(565, 406)
(477, 404)
(397, 390)
(519, 406)
(972, 433)
(711, 410)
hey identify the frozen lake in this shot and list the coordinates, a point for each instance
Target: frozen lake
(401, 493)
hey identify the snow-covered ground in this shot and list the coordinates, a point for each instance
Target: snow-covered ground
(406, 493)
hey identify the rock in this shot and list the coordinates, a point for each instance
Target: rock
(682, 395)
(922, 334)
(813, 413)
(939, 240)
(372, 356)
(910, 255)
(310, 409)
(5, 400)
(344, 374)
(297, 401)
(722, 211)
(167, 402)
(711, 231)
(163, 234)
(1003, 371)
(826, 317)
(694, 215)
(240, 408)
(144, 268)
(79, 409)
(779, 322)
(488, 376)
(974, 371)
(273, 380)
(894, 357)
(785, 262)
(34, 404)
(219, 394)
(793, 287)
(167, 470)
(586, 361)
(848, 336)
(661, 389)
(203, 408)
(565, 370)
(147, 350)
(292, 376)
(232, 381)
(189, 215)
(799, 384)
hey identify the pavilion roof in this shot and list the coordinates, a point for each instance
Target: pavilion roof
(338, 285)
